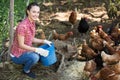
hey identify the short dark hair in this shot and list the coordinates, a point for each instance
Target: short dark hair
(30, 5)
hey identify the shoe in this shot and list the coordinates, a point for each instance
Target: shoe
(30, 74)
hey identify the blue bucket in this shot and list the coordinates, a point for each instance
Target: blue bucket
(51, 58)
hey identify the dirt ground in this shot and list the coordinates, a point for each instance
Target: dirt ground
(54, 15)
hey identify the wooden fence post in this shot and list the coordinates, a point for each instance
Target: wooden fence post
(11, 16)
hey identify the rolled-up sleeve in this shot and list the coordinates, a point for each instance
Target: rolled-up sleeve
(21, 30)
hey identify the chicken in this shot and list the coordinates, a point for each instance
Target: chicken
(79, 49)
(115, 35)
(110, 59)
(87, 51)
(77, 55)
(62, 37)
(116, 67)
(83, 26)
(114, 24)
(104, 35)
(90, 67)
(96, 41)
(97, 44)
(41, 35)
(107, 74)
(108, 48)
(117, 47)
(73, 18)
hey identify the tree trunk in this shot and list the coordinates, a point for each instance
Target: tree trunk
(11, 24)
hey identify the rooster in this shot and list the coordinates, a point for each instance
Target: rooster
(73, 18)
(83, 26)
(62, 37)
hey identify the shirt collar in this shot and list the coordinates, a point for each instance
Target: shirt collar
(31, 22)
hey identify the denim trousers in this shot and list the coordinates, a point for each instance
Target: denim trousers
(28, 59)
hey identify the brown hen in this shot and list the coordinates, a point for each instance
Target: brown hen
(107, 74)
(116, 67)
(73, 18)
(41, 35)
(62, 37)
(110, 48)
(110, 59)
(115, 32)
(115, 35)
(90, 67)
(87, 51)
(104, 35)
(96, 41)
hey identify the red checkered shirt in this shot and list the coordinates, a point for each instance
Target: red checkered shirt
(26, 29)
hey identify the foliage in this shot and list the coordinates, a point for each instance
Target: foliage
(112, 7)
(4, 20)
(19, 9)
(19, 13)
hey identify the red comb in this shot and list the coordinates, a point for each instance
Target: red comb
(100, 26)
(71, 32)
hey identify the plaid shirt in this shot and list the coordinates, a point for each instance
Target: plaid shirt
(26, 29)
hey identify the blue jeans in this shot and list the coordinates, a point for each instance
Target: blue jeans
(28, 59)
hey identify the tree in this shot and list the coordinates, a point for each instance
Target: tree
(11, 24)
